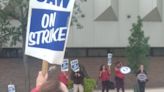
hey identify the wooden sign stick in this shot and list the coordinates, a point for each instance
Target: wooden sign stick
(44, 67)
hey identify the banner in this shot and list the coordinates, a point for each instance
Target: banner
(65, 65)
(75, 65)
(48, 28)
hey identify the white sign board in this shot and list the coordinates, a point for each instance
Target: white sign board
(65, 65)
(11, 88)
(125, 69)
(75, 65)
(48, 28)
(109, 58)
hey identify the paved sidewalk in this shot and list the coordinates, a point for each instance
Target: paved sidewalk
(130, 90)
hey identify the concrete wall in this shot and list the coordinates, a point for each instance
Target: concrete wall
(114, 33)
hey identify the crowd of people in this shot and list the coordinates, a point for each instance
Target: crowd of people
(105, 77)
(57, 81)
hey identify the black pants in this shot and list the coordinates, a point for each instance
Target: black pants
(119, 84)
(105, 86)
(141, 86)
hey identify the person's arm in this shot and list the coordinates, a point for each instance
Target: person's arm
(81, 74)
(137, 73)
(109, 70)
(147, 76)
(100, 73)
(39, 81)
(36, 89)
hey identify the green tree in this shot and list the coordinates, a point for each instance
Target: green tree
(138, 49)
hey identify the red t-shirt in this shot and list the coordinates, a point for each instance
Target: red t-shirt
(118, 73)
(63, 78)
(36, 89)
(105, 75)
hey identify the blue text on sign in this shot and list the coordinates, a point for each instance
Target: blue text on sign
(48, 29)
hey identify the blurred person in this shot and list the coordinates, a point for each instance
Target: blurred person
(119, 77)
(104, 76)
(78, 81)
(49, 82)
(141, 78)
(64, 77)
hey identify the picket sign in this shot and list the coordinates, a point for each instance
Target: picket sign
(47, 30)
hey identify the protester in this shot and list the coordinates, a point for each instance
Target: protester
(64, 77)
(141, 78)
(78, 81)
(119, 77)
(49, 83)
(104, 76)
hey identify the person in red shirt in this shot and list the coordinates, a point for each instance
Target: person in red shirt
(63, 77)
(119, 77)
(104, 76)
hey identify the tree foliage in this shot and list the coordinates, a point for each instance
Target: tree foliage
(18, 10)
(138, 49)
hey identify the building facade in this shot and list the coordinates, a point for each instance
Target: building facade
(107, 24)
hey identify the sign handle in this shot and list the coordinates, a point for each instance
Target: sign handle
(44, 67)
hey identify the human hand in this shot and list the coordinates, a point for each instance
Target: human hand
(41, 78)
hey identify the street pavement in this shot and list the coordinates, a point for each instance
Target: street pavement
(131, 90)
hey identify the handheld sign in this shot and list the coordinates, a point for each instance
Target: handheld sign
(48, 28)
(65, 65)
(125, 70)
(109, 58)
(11, 88)
(142, 77)
(75, 65)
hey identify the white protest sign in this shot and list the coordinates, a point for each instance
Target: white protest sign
(11, 88)
(75, 65)
(65, 65)
(125, 69)
(109, 58)
(47, 29)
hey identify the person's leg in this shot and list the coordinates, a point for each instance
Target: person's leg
(142, 86)
(122, 85)
(117, 84)
(81, 88)
(103, 86)
(75, 88)
(107, 86)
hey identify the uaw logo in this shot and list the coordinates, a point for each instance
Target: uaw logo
(48, 28)
(142, 77)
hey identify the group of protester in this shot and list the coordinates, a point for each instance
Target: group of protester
(57, 81)
(105, 77)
